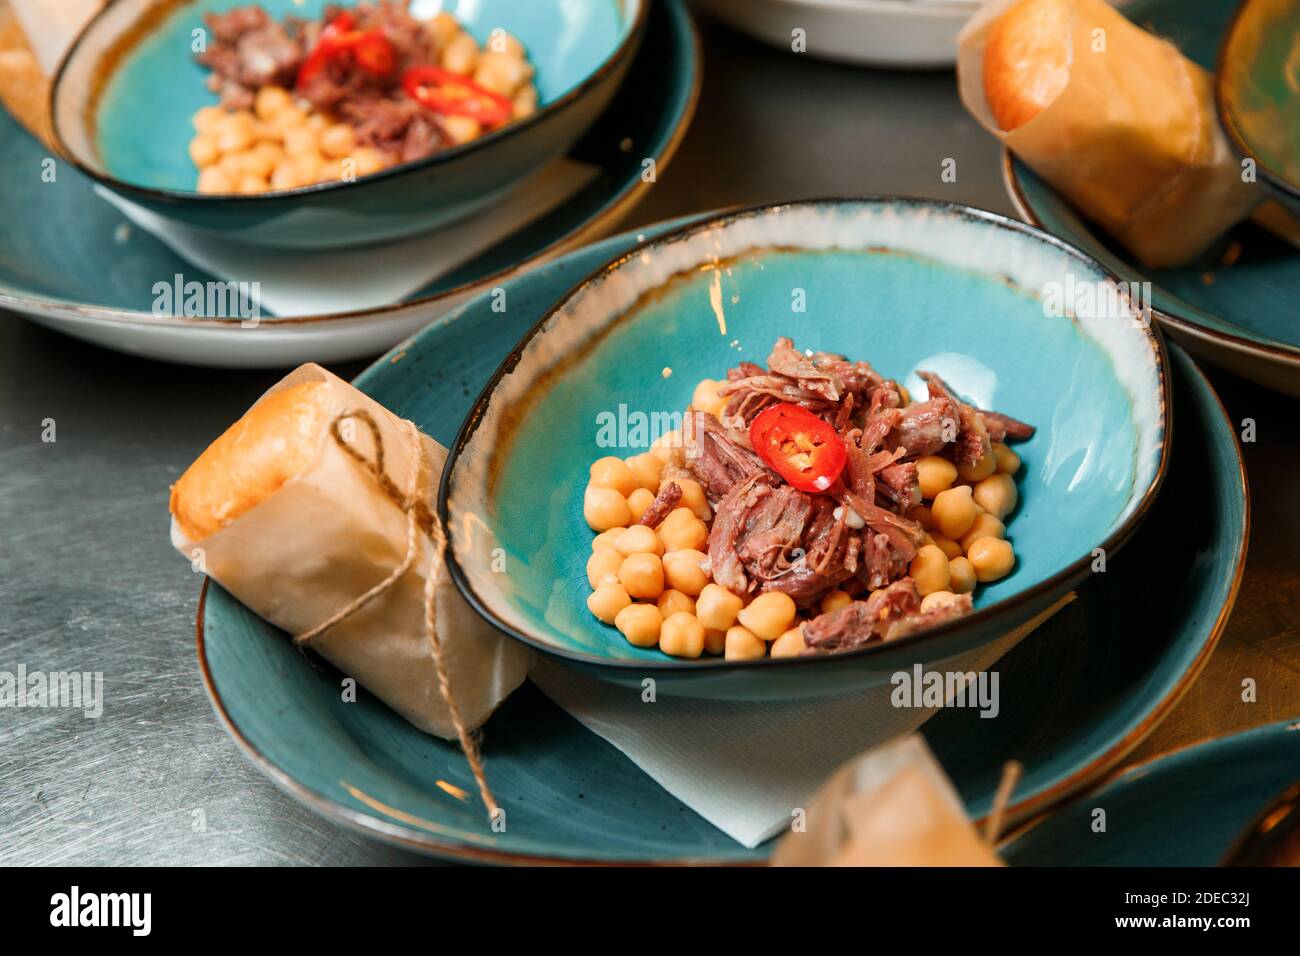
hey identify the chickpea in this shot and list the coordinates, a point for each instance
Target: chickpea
(234, 134)
(672, 601)
(984, 526)
(693, 498)
(605, 508)
(997, 495)
(961, 576)
(602, 567)
(460, 55)
(834, 601)
(638, 539)
(954, 511)
(992, 558)
(203, 151)
(369, 160)
(978, 471)
(935, 475)
(715, 642)
(638, 502)
(929, 569)
(338, 140)
(205, 120)
(717, 607)
(501, 73)
(611, 472)
(499, 41)
(214, 179)
(922, 515)
(682, 531)
(683, 572)
(950, 548)
(300, 141)
(789, 644)
(250, 184)
(642, 575)
(308, 166)
(640, 624)
(607, 600)
(270, 101)
(682, 635)
(262, 160)
(706, 399)
(285, 176)
(646, 470)
(668, 447)
(937, 599)
(317, 122)
(462, 129)
(743, 645)
(525, 102)
(606, 539)
(768, 615)
(444, 27)
(1007, 460)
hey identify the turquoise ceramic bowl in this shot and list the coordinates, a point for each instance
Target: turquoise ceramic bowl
(1257, 90)
(1187, 808)
(125, 95)
(905, 284)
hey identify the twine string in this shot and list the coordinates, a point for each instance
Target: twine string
(418, 518)
(1011, 772)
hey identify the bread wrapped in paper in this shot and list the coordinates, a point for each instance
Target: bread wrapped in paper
(1116, 120)
(892, 806)
(293, 522)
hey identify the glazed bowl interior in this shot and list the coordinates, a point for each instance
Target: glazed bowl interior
(126, 95)
(1257, 87)
(907, 285)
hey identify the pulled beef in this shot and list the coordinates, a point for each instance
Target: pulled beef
(249, 50)
(769, 536)
(667, 499)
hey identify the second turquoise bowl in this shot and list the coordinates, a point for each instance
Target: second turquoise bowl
(124, 98)
(905, 284)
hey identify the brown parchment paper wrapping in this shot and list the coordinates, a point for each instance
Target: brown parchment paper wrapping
(24, 88)
(1132, 141)
(330, 534)
(892, 806)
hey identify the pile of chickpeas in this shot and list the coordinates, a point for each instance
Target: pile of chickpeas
(283, 143)
(652, 586)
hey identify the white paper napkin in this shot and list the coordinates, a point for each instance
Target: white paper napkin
(295, 282)
(746, 767)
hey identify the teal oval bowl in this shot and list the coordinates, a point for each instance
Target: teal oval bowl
(125, 95)
(1076, 699)
(1257, 92)
(1202, 796)
(906, 284)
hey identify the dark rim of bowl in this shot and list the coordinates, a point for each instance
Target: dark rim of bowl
(611, 63)
(1111, 543)
(1255, 841)
(1289, 354)
(1227, 118)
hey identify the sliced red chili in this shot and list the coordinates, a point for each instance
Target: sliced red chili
(800, 447)
(370, 50)
(451, 94)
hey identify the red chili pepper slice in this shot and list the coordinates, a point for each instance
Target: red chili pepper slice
(370, 49)
(800, 447)
(452, 94)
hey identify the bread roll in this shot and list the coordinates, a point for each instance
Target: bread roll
(275, 441)
(1027, 60)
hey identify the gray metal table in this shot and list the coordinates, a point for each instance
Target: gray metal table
(89, 582)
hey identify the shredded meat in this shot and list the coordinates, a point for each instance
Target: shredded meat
(669, 495)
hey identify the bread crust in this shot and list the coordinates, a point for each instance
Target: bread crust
(1027, 60)
(274, 442)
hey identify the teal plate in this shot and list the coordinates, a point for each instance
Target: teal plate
(104, 292)
(1076, 698)
(1187, 808)
(1243, 317)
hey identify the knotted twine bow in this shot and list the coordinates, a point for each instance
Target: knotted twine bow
(419, 519)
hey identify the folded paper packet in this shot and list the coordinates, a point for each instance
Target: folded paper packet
(1131, 139)
(893, 806)
(286, 511)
